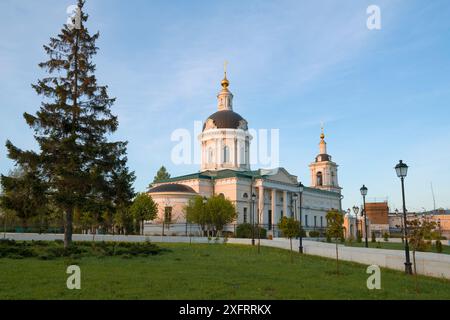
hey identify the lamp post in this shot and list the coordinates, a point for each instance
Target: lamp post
(301, 188)
(402, 170)
(253, 218)
(205, 200)
(355, 211)
(364, 193)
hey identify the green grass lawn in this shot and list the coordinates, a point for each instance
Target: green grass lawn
(394, 246)
(208, 272)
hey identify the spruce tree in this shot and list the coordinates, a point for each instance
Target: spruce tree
(161, 175)
(75, 159)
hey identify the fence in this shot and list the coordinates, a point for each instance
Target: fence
(153, 229)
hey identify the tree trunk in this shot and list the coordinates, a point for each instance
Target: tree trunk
(292, 259)
(415, 271)
(68, 228)
(337, 258)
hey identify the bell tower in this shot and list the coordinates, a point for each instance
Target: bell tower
(324, 170)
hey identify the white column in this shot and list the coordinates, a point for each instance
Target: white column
(285, 211)
(275, 217)
(261, 204)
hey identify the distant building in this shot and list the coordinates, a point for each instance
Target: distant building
(378, 215)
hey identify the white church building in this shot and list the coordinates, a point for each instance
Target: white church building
(225, 169)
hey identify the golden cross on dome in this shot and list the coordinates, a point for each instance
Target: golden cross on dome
(322, 136)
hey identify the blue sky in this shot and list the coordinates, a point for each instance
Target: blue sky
(383, 95)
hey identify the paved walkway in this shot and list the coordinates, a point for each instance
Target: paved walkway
(431, 264)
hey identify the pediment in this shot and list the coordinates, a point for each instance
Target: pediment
(279, 175)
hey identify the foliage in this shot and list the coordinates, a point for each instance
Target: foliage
(143, 208)
(161, 175)
(24, 193)
(438, 246)
(195, 212)
(420, 229)
(76, 163)
(359, 237)
(386, 236)
(314, 234)
(290, 228)
(244, 231)
(335, 222)
(374, 238)
(221, 212)
(49, 250)
(211, 216)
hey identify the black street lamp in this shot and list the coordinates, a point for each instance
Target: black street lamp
(300, 247)
(355, 211)
(364, 194)
(253, 218)
(205, 200)
(301, 188)
(402, 170)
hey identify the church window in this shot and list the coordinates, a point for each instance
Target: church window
(245, 215)
(319, 179)
(306, 221)
(321, 222)
(226, 154)
(332, 178)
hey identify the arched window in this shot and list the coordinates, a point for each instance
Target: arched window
(226, 154)
(332, 178)
(319, 179)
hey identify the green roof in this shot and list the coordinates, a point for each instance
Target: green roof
(222, 174)
(209, 175)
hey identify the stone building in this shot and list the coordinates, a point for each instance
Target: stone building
(225, 169)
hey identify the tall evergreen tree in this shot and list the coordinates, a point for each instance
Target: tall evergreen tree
(75, 158)
(161, 175)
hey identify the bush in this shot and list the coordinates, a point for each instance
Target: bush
(245, 231)
(374, 238)
(359, 237)
(386, 236)
(53, 250)
(438, 246)
(328, 239)
(314, 234)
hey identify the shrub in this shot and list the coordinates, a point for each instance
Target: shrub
(386, 236)
(438, 246)
(359, 237)
(374, 238)
(245, 231)
(328, 239)
(314, 234)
